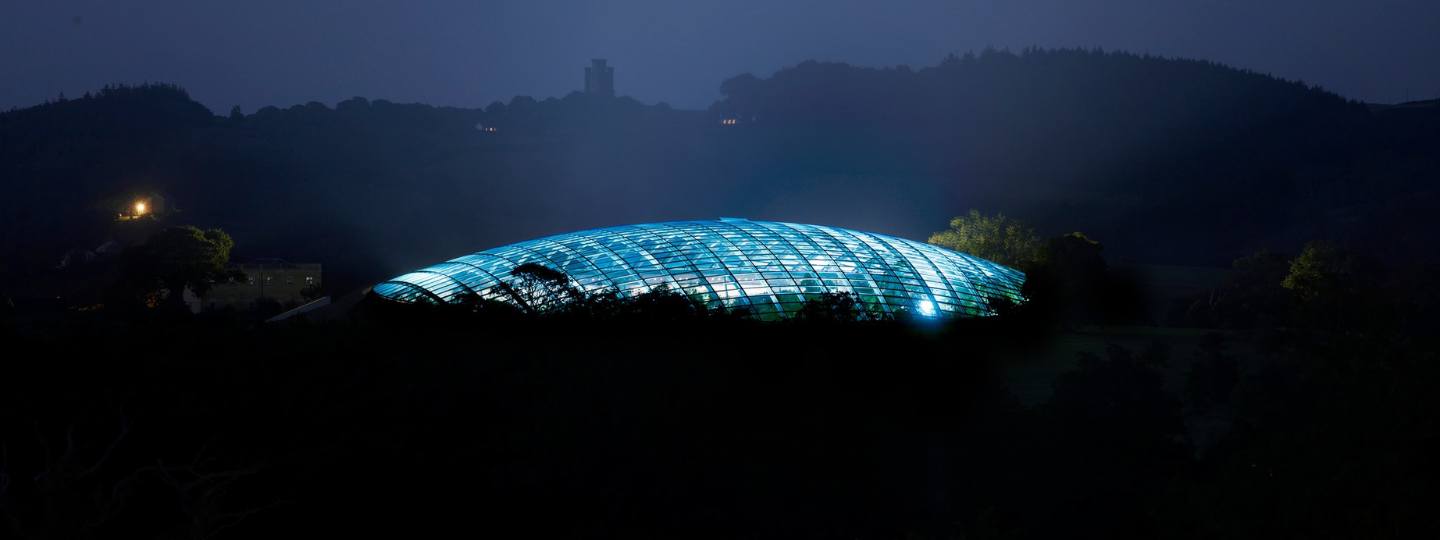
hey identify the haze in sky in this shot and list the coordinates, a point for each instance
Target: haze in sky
(469, 53)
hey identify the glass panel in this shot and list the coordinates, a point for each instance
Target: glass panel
(725, 260)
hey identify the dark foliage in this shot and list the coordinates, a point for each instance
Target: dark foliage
(1250, 298)
(834, 307)
(654, 417)
(1070, 283)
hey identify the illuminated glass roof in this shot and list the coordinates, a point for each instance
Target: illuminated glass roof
(767, 267)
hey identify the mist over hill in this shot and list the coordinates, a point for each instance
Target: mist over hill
(1164, 160)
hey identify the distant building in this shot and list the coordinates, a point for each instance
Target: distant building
(768, 269)
(600, 79)
(286, 283)
(143, 206)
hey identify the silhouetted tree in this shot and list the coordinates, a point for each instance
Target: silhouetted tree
(538, 288)
(1334, 286)
(1250, 297)
(1323, 270)
(664, 303)
(1072, 281)
(176, 258)
(841, 307)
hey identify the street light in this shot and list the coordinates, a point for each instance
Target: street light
(140, 208)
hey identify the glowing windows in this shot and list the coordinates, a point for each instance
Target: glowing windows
(767, 267)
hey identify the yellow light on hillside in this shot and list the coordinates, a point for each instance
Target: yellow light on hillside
(140, 208)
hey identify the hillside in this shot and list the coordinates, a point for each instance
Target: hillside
(1173, 161)
(1166, 161)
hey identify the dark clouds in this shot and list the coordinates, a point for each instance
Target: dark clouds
(264, 52)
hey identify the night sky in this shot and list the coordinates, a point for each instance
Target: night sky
(469, 53)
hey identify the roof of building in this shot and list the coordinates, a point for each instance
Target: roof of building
(770, 268)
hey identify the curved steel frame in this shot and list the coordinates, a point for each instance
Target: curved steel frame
(771, 268)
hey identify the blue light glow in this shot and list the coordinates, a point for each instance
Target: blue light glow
(769, 268)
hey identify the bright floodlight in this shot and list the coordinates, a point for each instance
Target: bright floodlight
(139, 208)
(768, 268)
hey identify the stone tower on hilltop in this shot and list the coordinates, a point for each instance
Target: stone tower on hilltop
(600, 79)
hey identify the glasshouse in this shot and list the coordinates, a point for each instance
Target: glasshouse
(768, 268)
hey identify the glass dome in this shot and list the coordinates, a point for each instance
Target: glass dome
(769, 268)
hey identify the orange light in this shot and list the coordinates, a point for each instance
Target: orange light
(140, 208)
